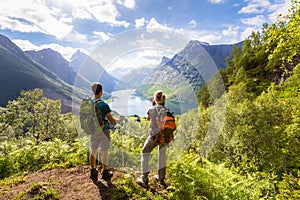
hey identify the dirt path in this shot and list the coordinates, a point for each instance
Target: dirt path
(72, 183)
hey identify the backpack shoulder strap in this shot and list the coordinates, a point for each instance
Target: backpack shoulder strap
(97, 101)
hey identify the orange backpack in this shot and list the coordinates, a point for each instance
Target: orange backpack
(165, 121)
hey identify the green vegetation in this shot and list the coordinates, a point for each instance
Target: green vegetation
(40, 191)
(149, 89)
(255, 156)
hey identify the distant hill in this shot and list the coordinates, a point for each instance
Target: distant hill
(93, 71)
(195, 59)
(20, 72)
(219, 52)
(55, 62)
(184, 74)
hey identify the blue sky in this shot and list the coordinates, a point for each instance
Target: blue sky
(68, 25)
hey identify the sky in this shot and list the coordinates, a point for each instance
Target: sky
(68, 25)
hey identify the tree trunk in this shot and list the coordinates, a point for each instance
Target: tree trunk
(284, 164)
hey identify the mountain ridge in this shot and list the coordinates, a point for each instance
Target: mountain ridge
(77, 74)
(20, 72)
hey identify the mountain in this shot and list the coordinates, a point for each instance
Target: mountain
(184, 69)
(20, 72)
(196, 63)
(219, 52)
(93, 71)
(193, 65)
(164, 60)
(135, 76)
(55, 62)
(182, 76)
(132, 77)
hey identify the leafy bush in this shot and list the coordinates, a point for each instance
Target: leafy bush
(289, 187)
(32, 157)
(196, 178)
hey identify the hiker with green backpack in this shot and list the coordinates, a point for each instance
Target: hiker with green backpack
(97, 126)
(162, 126)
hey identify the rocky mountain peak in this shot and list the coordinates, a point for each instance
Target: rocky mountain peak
(78, 55)
(8, 45)
(164, 60)
(195, 44)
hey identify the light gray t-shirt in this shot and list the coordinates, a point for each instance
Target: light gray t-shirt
(153, 112)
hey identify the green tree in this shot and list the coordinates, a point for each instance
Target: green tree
(282, 40)
(34, 116)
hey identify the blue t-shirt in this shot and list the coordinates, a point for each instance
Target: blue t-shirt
(105, 109)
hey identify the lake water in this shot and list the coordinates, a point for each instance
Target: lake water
(126, 102)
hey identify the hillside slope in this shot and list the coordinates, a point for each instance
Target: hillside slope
(20, 72)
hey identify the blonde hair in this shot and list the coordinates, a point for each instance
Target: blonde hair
(159, 97)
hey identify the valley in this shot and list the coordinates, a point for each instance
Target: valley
(183, 74)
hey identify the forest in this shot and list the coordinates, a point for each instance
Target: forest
(242, 142)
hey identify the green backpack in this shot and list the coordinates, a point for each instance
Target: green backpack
(90, 115)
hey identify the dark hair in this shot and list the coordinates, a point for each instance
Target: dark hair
(98, 89)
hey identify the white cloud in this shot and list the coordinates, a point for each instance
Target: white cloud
(65, 51)
(103, 36)
(248, 31)
(268, 13)
(230, 35)
(17, 25)
(231, 32)
(216, 1)
(152, 55)
(153, 24)
(252, 8)
(203, 36)
(127, 3)
(55, 18)
(254, 21)
(26, 45)
(135, 59)
(76, 38)
(255, 7)
(193, 23)
(139, 22)
(277, 9)
(34, 16)
(81, 13)
(143, 42)
(107, 13)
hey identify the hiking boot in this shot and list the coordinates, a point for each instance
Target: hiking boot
(94, 175)
(163, 184)
(106, 175)
(143, 182)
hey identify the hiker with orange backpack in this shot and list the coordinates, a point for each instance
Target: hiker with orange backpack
(162, 125)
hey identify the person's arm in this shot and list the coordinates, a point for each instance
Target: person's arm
(148, 115)
(112, 120)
